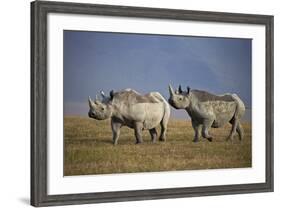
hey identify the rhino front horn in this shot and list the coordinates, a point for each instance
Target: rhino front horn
(171, 90)
(90, 101)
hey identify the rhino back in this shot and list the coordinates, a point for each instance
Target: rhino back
(131, 106)
(129, 97)
(203, 96)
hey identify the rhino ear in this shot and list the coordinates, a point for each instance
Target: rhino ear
(188, 89)
(111, 94)
(180, 90)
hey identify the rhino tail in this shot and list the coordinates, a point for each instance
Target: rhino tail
(165, 120)
(240, 107)
(167, 110)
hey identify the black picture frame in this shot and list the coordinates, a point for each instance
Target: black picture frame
(39, 12)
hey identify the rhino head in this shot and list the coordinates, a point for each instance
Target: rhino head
(100, 110)
(179, 99)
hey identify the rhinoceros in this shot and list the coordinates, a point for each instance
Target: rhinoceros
(208, 110)
(129, 108)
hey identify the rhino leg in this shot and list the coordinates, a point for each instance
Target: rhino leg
(164, 123)
(163, 130)
(207, 123)
(240, 131)
(115, 131)
(153, 134)
(234, 123)
(138, 132)
(196, 128)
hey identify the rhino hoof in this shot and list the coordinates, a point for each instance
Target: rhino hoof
(162, 139)
(195, 140)
(210, 139)
(229, 138)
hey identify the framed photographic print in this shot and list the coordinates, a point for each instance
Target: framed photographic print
(131, 103)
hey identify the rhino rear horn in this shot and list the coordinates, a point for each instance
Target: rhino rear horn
(97, 100)
(180, 90)
(111, 94)
(188, 89)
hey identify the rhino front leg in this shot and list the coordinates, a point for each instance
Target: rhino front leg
(207, 123)
(138, 132)
(115, 131)
(153, 134)
(197, 128)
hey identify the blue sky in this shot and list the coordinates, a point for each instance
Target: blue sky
(95, 61)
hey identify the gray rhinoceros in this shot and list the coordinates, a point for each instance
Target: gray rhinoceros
(129, 108)
(208, 110)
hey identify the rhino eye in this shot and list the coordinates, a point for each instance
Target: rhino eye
(102, 108)
(180, 98)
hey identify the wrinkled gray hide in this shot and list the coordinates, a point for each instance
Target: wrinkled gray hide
(129, 108)
(208, 110)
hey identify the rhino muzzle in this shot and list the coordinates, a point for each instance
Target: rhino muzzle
(172, 103)
(90, 114)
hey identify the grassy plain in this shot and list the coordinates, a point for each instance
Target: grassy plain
(88, 149)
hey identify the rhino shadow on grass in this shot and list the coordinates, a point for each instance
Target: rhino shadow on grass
(131, 109)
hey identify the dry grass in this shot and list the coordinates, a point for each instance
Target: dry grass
(88, 149)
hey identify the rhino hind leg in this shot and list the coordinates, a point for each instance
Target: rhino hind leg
(163, 132)
(153, 134)
(240, 131)
(164, 123)
(234, 121)
(206, 125)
